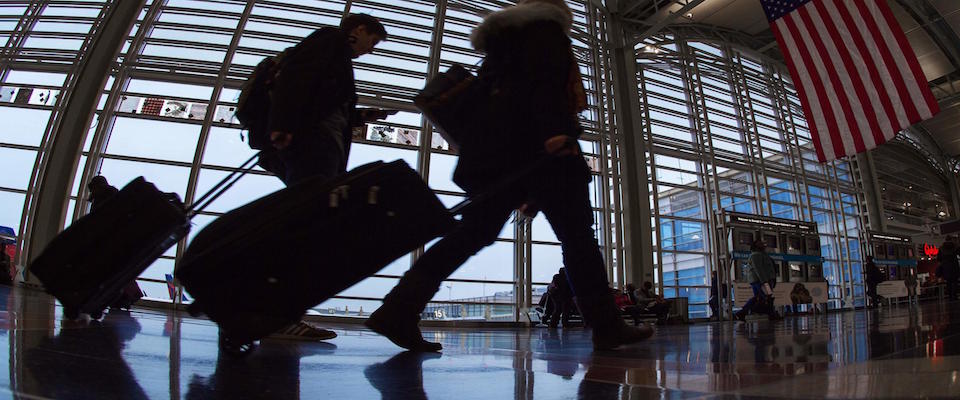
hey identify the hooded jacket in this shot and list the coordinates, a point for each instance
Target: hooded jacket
(525, 97)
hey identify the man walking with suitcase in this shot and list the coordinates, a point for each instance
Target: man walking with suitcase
(313, 112)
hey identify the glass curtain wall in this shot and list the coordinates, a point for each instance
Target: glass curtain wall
(725, 131)
(167, 114)
(43, 42)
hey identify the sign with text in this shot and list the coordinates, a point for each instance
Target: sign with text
(786, 293)
(892, 289)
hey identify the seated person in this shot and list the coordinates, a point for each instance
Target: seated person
(652, 302)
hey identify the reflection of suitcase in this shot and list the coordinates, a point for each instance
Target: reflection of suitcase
(88, 266)
(260, 267)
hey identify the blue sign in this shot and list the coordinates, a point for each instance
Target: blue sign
(897, 263)
(743, 255)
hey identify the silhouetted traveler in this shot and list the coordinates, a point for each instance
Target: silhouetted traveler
(561, 299)
(313, 101)
(949, 268)
(761, 270)
(873, 278)
(100, 191)
(313, 112)
(535, 94)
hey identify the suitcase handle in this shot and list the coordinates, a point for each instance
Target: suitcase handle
(501, 185)
(221, 187)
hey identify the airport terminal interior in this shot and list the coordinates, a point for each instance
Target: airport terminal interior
(698, 144)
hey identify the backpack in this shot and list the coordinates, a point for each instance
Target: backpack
(253, 105)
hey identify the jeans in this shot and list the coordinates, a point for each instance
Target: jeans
(561, 192)
(757, 288)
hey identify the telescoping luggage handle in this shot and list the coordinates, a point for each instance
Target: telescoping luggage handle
(501, 185)
(221, 187)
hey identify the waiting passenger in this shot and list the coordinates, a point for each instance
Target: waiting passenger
(535, 96)
(652, 302)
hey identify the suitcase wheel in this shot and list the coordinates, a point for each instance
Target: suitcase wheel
(96, 314)
(71, 313)
(235, 348)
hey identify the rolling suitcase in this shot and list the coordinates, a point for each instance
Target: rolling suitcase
(260, 267)
(88, 265)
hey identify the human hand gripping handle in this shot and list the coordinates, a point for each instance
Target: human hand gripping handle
(561, 145)
(280, 140)
(375, 114)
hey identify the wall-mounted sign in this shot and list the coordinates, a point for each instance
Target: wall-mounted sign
(877, 236)
(930, 250)
(750, 219)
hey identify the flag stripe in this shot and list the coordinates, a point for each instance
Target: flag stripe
(819, 109)
(862, 107)
(913, 64)
(833, 63)
(827, 97)
(886, 80)
(816, 123)
(900, 66)
(890, 64)
(886, 116)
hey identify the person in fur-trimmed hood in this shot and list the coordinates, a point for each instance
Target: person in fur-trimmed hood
(527, 98)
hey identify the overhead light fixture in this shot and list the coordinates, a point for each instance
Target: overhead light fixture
(689, 15)
(651, 49)
(942, 214)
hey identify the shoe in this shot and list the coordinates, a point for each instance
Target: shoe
(601, 314)
(400, 328)
(740, 316)
(303, 331)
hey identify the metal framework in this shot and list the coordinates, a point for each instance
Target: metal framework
(673, 136)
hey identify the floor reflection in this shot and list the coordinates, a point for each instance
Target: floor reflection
(906, 351)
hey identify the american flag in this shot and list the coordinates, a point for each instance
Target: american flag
(857, 76)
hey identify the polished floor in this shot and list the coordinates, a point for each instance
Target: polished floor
(900, 352)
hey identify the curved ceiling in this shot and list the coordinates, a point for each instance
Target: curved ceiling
(930, 25)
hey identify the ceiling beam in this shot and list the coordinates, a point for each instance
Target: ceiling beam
(691, 4)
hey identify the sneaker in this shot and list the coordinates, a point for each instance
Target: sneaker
(303, 331)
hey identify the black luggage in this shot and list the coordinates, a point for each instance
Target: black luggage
(88, 265)
(260, 267)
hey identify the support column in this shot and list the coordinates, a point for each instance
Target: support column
(871, 192)
(70, 129)
(637, 230)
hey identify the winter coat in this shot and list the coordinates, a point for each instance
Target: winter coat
(523, 96)
(874, 275)
(315, 80)
(761, 267)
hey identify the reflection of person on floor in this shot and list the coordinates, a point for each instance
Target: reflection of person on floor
(400, 377)
(86, 361)
(270, 373)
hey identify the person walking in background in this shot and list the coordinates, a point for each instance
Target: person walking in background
(561, 299)
(533, 94)
(761, 271)
(100, 191)
(874, 277)
(949, 269)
